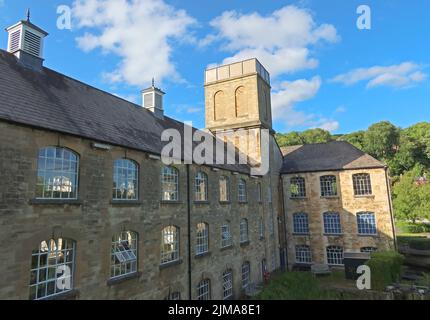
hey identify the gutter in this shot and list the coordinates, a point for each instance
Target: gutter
(391, 207)
(189, 230)
(283, 239)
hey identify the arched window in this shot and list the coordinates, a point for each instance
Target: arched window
(169, 244)
(241, 102)
(219, 105)
(224, 189)
(332, 223)
(57, 173)
(227, 284)
(244, 231)
(297, 187)
(204, 290)
(124, 254)
(241, 191)
(52, 263)
(362, 185)
(300, 223)
(366, 223)
(125, 180)
(226, 238)
(328, 186)
(246, 274)
(334, 255)
(169, 184)
(201, 187)
(202, 238)
(303, 254)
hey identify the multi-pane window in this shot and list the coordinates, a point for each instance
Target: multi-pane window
(297, 187)
(300, 223)
(303, 254)
(125, 176)
(334, 255)
(57, 174)
(244, 231)
(261, 228)
(241, 190)
(201, 187)
(226, 238)
(224, 189)
(202, 238)
(169, 244)
(124, 254)
(227, 284)
(362, 184)
(259, 192)
(366, 223)
(332, 223)
(176, 295)
(368, 249)
(246, 272)
(328, 186)
(204, 290)
(52, 266)
(169, 184)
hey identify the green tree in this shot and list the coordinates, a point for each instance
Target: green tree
(290, 139)
(355, 138)
(316, 136)
(381, 140)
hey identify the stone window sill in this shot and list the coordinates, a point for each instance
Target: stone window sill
(298, 198)
(244, 244)
(75, 202)
(329, 197)
(68, 295)
(369, 196)
(242, 202)
(225, 202)
(202, 255)
(197, 202)
(170, 264)
(126, 202)
(123, 278)
(227, 247)
(171, 202)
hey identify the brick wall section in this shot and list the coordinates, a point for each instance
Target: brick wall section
(347, 205)
(93, 221)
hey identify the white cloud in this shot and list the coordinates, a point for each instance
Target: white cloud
(193, 110)
(288, 93)
(340, 109)
(140, 32)
(282, 41)
(399, 76)
(131, 97)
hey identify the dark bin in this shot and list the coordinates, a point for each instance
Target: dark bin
(351, 261)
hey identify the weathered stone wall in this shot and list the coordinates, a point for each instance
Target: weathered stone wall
(347, 205)
(94, 219)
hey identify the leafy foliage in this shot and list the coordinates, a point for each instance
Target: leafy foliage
(385, 267)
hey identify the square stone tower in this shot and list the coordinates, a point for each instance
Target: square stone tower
(237, 102)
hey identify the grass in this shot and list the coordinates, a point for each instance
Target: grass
(303, 286)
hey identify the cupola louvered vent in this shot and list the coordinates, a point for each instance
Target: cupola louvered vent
(14, 41)
(32, 43)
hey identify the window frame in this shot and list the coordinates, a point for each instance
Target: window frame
(62, 173)
(38, 253)
(332, 226)
(336, 250)
(117, 189)
(300, 182)
(326, 186)
(242, 195)
(243, 227)
(246, 274)
(301, 223)
(227, 284)
(130, 251)
(227, 187)
(361, 229)
(305, 252)
(174, 175)
(198, 179)
(174, 232)
(226, 230)
(202, 239)
(362, 184)
(204, 289)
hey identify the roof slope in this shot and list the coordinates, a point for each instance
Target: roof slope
(335, 155)
(50, 100)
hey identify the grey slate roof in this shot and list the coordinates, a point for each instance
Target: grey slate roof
(336, 155)
(50, 100)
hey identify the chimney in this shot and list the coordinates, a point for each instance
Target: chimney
(25, 41)
(153, 100)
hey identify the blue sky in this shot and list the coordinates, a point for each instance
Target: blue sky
(325, 71)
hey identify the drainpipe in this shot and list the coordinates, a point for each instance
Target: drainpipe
(391, 207)
(189, 230)
(284, 247)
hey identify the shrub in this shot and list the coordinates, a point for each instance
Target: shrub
(407, 227)
(420, 244)
(385, 267)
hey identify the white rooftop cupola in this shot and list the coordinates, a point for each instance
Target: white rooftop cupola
(153, 100)
(25, 41)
